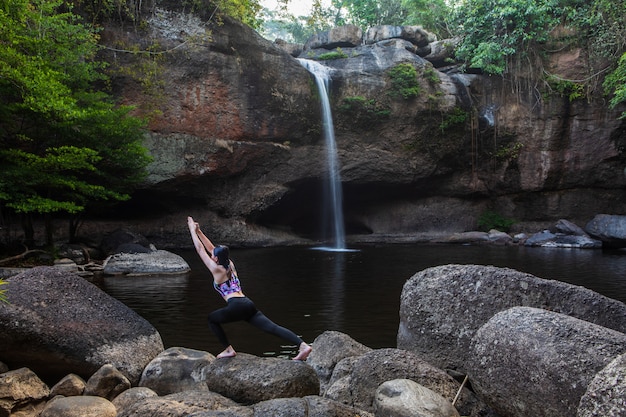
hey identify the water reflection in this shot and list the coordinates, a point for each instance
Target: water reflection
(355, 292)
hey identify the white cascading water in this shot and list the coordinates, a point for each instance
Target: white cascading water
(322, 79)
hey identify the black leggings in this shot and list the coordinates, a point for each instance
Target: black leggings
(242, 308)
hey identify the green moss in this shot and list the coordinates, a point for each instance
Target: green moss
(338, 53)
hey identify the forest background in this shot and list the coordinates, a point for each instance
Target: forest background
(67, 147)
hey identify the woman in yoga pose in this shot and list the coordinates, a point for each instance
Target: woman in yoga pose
(238, 306)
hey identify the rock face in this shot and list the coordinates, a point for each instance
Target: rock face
(442, 308)
(238, 377)
(237, 144)
(606, 394)
(57, 323)
(557, 355)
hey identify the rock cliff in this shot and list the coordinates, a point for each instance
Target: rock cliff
(237, 140)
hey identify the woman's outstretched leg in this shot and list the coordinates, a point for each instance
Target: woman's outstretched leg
(261, 321)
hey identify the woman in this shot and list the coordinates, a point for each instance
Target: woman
(238, 306)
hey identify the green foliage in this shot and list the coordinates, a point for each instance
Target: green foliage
(434, 15)
(494, 30)
(367, 13)
(510, 151)
(64, 144)
(338, 53)
(431, 76)
(456, 117)
(566, 88)
(492, 220)
(3, 297)
(615, 84)
(404, 82)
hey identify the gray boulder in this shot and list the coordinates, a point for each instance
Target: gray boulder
(131, 396)
(531, 362)
(329, 349)
(305, 407)
(249, 379)
(356, 379)
(606, 394)
(180, 404)
(610, 229)
(441, 308)
(177, 369)
(83, 406)
(145, 263)
(414, 34)
(57, 323)
(340, 36)
(406, 398)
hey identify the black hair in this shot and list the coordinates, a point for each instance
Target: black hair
(222, 254)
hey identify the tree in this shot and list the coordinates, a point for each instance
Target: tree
(434, 15)
(64, 144)
(367, 13)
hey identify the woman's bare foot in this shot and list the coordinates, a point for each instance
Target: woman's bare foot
(229, 352)
(303, 352)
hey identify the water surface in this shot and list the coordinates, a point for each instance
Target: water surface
(354, 292)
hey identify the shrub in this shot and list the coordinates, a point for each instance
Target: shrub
(492, 220)
(404, 81)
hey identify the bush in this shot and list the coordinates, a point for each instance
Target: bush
(492, 220)
(404, 81)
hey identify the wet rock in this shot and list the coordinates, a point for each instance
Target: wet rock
(528, 361)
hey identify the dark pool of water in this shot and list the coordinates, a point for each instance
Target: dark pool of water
(358, 293)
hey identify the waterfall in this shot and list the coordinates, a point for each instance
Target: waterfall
(335, 192)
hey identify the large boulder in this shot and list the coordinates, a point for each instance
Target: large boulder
(606, 394)
(57, 323)
(180, 404)
(331, 347)
(441, 308)
(610, 229)
(341, 36)
(83, 406)
(305, 407)
(356, 380)
(414, 34)
(249, 379)
(145, 263)
(532, 362)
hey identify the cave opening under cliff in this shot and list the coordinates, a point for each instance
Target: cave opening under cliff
(303, 210)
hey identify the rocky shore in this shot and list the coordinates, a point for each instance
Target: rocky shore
(473, 340)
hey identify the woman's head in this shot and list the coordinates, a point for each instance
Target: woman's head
(222, 255)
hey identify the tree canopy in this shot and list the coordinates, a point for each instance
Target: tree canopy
(64, 143)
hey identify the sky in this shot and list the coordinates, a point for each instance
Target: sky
(295, 7)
